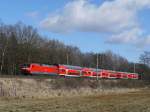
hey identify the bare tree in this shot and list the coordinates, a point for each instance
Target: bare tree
(145, 58)
(4, 44)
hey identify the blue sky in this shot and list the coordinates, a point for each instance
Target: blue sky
(121, 26)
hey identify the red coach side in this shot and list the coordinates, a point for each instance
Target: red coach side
(70, 71)
(34, 68)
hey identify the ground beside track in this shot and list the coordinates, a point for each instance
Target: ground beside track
(40, 94)
(138, 101)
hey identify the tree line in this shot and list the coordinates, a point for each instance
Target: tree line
(20, 43)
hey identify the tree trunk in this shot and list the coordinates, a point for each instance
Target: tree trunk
(3, 57)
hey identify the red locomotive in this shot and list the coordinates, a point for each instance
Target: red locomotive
(38, 69)
(74, 71)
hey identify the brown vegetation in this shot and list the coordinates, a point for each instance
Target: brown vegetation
(42, 88)
(137, 101)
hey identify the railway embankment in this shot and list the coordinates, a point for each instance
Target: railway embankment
(47, 87)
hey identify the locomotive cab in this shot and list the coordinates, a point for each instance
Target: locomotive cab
(25, 69)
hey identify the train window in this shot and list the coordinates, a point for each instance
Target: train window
(25, 65)
(96, 70)
(63, 70)
(89, 72)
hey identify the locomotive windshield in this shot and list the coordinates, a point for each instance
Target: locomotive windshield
(25, 65)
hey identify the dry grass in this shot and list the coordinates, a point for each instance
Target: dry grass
(125, 102)
(51, 95)
(44, 88)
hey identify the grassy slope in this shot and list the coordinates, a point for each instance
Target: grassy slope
(125, 102)
(43, 88)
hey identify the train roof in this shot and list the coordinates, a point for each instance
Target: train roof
(73, 67)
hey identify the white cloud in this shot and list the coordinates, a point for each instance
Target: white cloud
(33, 14)
(134, 36)
(127, 36)
(143, 42)
(116, 17)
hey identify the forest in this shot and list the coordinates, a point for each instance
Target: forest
(20, 43)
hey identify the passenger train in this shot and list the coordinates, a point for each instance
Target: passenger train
(74, 71)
